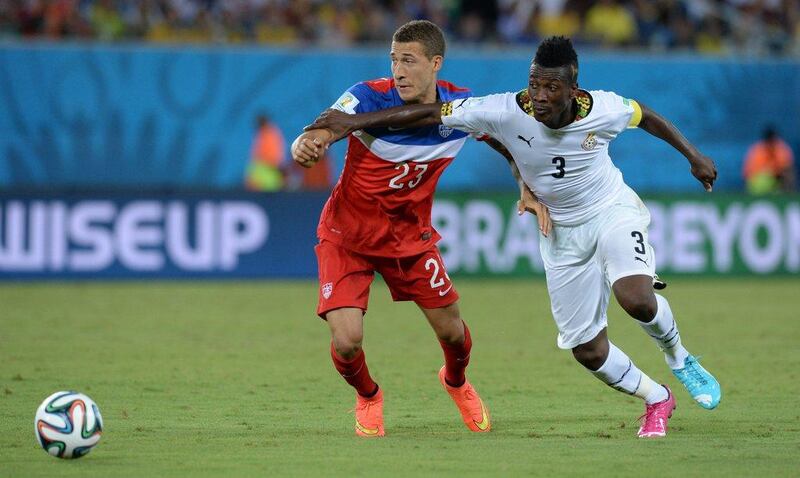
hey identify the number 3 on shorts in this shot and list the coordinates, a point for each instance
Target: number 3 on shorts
(639, 248)
(436, 279)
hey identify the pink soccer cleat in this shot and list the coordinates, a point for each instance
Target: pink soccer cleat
(656, 416)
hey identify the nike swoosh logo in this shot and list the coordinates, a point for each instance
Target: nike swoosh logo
(365, 430)
(442, 293)
(393, 128)
(484, 423)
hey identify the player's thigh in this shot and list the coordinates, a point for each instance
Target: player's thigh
(578, 299)
(624, 250)
(344, 278)
(422, 279)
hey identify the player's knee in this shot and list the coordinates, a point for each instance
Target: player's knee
(451, 335)
(347, 346)
(641, 307)
(591, 357)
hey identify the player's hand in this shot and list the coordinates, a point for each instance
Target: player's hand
(704, 170)
(337, 122)
(307, 150)
(527, 202)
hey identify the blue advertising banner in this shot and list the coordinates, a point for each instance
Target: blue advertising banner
(272, 236)
(159, 236)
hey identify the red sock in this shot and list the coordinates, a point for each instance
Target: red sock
(456, 359)
(355, 372)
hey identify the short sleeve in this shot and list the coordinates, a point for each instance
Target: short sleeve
(359, 98)
(619, 113)
(477, 115)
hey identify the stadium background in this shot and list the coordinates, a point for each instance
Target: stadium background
(135, 119)
(125, 131)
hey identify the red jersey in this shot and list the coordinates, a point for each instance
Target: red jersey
(381, 205)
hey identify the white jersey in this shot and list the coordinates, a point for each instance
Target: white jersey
(568, 169)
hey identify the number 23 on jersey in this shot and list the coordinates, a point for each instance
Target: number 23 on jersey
(402, 180)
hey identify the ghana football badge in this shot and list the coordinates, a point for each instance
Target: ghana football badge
(589, 143)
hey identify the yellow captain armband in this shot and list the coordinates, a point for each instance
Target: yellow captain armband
(636, 117)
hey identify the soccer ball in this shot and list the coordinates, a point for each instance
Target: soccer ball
(68, 424)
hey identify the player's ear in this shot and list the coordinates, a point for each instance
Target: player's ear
(438, 61)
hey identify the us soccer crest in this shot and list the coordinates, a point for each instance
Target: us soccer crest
(444, 131)
(589, 143)
(327, 290)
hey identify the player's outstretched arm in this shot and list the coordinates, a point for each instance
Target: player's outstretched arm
(409, 116)
(527, 199)
(309, 147)
(702, 166)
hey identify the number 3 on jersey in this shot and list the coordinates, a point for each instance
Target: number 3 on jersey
(559, 163)
(397, 183)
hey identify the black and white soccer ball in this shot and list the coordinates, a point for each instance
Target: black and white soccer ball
(68, 424)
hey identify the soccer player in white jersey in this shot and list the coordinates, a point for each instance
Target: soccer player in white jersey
(558, 135)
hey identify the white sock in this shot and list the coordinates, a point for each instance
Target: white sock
(664, 331)
(619, 372)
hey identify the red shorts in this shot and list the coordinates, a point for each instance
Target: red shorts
(345, 277)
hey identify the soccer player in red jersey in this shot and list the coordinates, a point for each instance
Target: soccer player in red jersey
(378, 219)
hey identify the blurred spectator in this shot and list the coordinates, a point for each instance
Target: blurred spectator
(316, 178)
(513, 20)
(713, 27)
(62, 19)
(267, 157)
(710, 38)
(557, 17)
(106, 20)
(610, 23)
(477, 20)
(769, 165)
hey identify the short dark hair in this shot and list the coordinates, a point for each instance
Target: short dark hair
(424, 32)
(555, 52)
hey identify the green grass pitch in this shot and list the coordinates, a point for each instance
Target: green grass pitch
(234, 379)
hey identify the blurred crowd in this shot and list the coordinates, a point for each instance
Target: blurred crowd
(717, 27)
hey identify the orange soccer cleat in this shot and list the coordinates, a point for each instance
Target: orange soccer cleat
(369, 415)
(473, 411)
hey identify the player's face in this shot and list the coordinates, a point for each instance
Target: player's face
(414, 73)
(552, 91)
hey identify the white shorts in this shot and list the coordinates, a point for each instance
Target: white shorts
(582, 263)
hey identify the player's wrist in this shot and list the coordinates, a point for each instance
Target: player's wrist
(694, 156)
